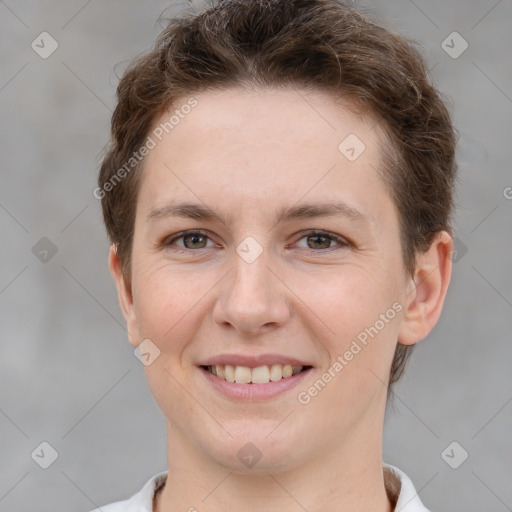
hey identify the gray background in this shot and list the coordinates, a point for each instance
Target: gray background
(68, 375)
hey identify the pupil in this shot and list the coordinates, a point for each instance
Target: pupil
(194, 238)
(319, 237)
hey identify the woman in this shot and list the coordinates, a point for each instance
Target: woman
(278, 194)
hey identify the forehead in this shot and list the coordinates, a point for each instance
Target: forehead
(286, 115)
(262, 146)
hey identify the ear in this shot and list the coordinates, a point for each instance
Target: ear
(427, 290)
(124, 294)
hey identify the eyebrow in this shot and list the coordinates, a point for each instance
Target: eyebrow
(304, 211)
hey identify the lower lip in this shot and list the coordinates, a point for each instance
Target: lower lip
(253, 391)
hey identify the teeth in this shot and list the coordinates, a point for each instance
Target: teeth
(242, 374)
(287, 371)
(229, 373)
(296, 369)
(259, 375)
(276, 372)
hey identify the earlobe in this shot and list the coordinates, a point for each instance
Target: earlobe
(124, 294)
(425, 298)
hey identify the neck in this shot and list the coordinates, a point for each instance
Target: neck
(348, 478)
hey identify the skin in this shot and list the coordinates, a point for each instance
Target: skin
(246, 155)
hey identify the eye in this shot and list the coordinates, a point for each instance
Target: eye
(192, 240)
(318, 240)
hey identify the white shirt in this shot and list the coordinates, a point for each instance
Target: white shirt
(407, 501)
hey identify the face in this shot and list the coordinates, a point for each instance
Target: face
(287, 253)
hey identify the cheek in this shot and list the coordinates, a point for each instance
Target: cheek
(361, 313)
(168, 304)
(165, 300)
(347, 299)
(364, 319)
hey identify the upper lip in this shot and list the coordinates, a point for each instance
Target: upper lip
(252, 361)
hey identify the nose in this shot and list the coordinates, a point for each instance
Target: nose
(253, 300)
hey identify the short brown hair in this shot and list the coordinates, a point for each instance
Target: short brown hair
(317, 44)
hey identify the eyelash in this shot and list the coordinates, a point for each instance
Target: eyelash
(167, 242)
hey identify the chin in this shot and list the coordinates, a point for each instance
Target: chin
(256, 450)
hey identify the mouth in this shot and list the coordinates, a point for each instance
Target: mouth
(259, 375)
(247, 383)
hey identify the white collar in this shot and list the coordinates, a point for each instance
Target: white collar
(407, 501)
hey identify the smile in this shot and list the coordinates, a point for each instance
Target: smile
(250, 384)
(259, 375)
